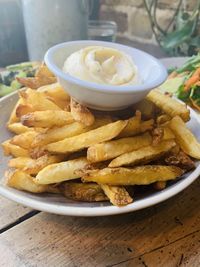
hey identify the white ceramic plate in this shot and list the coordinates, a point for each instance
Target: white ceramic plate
(60, 205)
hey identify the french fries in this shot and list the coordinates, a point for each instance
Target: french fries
(63, 171)
(117, 195)
(33, 166)
(23, 181)
(83, 192)
(81, 113)
(185, 139)
(47, 118)
(114, 148)
(13, 150)
(24, 140)
(66, 131)
(169, 105)
(142, 175)
(60, 146)
(143, 155)
(87, 139)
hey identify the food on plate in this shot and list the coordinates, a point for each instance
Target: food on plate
(87, 139)
(169, 105)
(8, 77)
(102, 65)
(60, 146)
(141, 175)
(143, 155)
(184, 138)
(184, 82)
(83, 191)
(81, 113)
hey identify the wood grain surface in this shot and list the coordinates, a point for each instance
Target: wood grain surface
(165, 235)
(11, 212)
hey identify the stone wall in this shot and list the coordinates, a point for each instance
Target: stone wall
(133, 22)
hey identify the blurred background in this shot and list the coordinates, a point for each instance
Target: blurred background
(161, 27)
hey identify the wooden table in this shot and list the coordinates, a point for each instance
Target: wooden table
(166, 235)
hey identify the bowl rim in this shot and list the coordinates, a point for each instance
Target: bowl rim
(127, 89)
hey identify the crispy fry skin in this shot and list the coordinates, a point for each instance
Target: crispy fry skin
(43, 71)
(180, 160)
(23, 109)
(33, 166)
(162, 119)
(13, 150)
(81, 113)
(23, 181)
(56, 93)
(47, 118)
(169, 105)
(157, 134)
(185, 138)
(137, 176)
(117, 195)
(13, 117)
(143, 155)
(38, 100)
(36, 82)
(114, 148)
(18, 128)
(24, 140)
(87, 139)
(62, 171)
(83, 192)
(66, 131)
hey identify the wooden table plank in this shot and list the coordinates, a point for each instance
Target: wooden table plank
(10, 212)
(184, 252)
(51, 240)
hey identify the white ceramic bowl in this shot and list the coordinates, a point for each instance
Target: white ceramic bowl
(106, 97)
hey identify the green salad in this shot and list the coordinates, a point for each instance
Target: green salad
(184, 82)
(8, 81)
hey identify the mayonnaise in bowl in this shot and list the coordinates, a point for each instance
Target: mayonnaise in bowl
(102, 65)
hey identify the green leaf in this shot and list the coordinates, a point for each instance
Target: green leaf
(181, 94)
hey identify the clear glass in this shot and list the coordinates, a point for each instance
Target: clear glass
(102, 30)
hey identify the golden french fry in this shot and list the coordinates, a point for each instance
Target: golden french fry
(63, 171)
(20, 162)
(33, 166)
(142, 175)
(81, 113)
(23, 109)
(87, 139)
(168, 134)
(23, 181)
(117, 195)
(133, 128)
(13, 117)
(185, 138)
(73, 129)
(169, 105)
(13, 150)
(83, 192)
(43, 71)
(18, 128)
(56, 94)
(114, 148)
(24, 140)
(36, 82)
(47, 118)
(143, 155)
(39, 100)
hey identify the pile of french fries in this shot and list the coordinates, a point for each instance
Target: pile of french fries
(60, 146)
